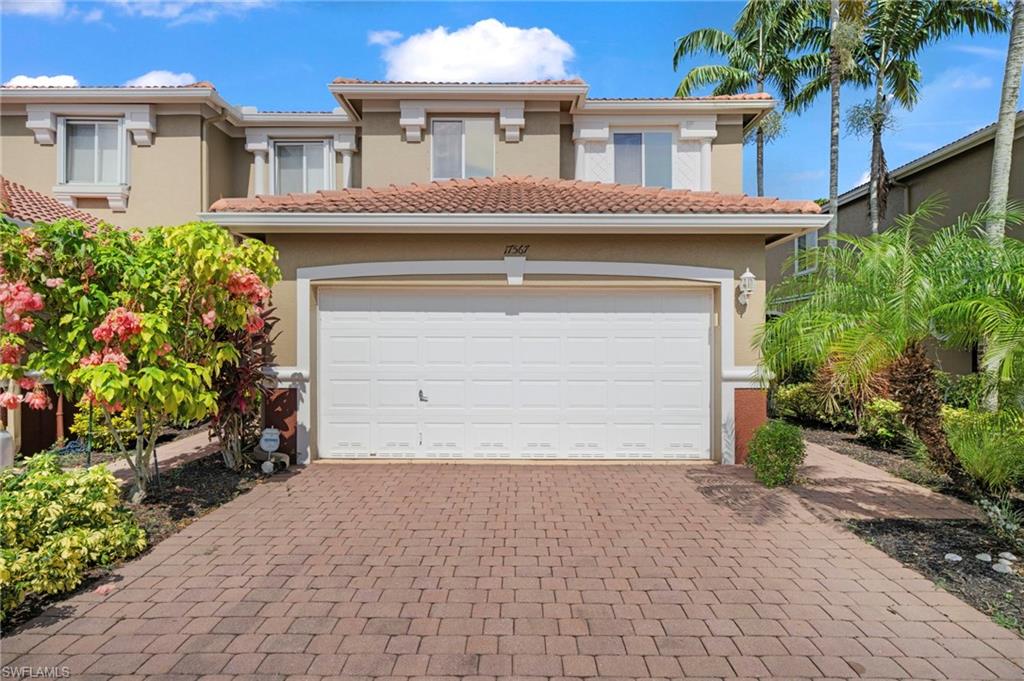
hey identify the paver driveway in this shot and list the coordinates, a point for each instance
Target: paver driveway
(622, 571)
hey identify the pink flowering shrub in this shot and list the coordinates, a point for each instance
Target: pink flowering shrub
(132, 320)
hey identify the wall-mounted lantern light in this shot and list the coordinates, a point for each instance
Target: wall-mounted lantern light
(747, 284)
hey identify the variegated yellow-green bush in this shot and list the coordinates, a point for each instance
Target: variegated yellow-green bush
(57, 524)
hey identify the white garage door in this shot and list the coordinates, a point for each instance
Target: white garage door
(514, 373)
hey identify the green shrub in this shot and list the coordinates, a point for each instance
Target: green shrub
(775, 453)
(880, 424)
(989, 445)
(803, 403)
(964, 391)
(55, 525)
(102, 435)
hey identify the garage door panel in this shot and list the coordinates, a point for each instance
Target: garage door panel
(537, 374)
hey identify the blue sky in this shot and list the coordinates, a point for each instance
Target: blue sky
(281, 55)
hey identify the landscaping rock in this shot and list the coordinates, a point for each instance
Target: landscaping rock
(1006, 555)
(1002, 568)
(953, 558)
(984, 557)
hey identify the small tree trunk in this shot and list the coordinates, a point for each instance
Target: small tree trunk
(835, 83)
(140, 486)
(1002, 154)
(912, 383)
(759, 136)
(877, 124)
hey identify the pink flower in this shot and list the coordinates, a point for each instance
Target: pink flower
(246, 284)
(106, 357)
(38, 399)
(10, 401)
(37, 253)
(88, 234)
(163, 350)
(209, 318)
(10, 354)
(15, 324)
(254, 324)
(136, 236)
(28, 383)
(54, 282)
(120, 322)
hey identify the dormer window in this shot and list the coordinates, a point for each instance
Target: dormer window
(93, 152)
(462, 148)
(302, 167)
(643, 158)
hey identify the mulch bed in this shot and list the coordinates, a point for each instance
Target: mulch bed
(186, 493)
(922, 545)
(901, 464)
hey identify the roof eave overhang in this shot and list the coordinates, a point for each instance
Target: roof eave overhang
(102, 95)
(753, 107)
(781, 225)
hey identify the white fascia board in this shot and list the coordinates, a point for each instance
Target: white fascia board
(451, 90)
(523, 223)
(111, 94)
(674, 106)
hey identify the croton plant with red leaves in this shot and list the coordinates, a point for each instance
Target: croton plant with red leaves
(129, 318)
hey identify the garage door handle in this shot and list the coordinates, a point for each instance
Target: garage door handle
(423, 398)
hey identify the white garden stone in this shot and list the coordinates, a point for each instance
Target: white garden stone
(984, 557)
(953, 558)
(1006, 555)
(1002, 568)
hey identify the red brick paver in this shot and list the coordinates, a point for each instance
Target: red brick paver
(548, 571)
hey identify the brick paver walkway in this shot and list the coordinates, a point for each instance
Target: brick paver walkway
(410, 570)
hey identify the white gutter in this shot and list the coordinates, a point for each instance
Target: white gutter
(522, 223)
(676, 105)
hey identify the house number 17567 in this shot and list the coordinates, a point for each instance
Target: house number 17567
(517, 249)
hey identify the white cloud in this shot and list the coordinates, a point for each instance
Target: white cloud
(62, 80)
(161, 79)
(382, 37)
(173, 11)
(485, 51)
(980, 51)
(41, 8)
(864, 177)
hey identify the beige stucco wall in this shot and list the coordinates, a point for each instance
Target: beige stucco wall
(386, 158)
(228, 166)
(727, 159)
(730, 252)
(165, 178)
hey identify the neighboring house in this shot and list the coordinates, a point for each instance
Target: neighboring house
(503, 270)
(35, 430)
(959, 172)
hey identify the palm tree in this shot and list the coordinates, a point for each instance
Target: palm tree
(836, 57)
(1002, 155)
(864, 317)
(895, 31)
(757, 56)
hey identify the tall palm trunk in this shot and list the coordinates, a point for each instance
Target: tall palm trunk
(877, 125)
(759, 141)
(1002, 154)
(835, 82)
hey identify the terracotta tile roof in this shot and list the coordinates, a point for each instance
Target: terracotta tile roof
(359, 81)
(513, 195)
(18, 202)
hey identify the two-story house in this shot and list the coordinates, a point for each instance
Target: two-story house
(471, 270)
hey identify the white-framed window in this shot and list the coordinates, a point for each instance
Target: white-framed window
(805, 247)
(92, 152)
(302, 166)
(462, 148)
(643, 158)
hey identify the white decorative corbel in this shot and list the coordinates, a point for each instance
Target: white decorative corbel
(698, 128)
(42, 121)
(140, 121)
(512, 118)
(413, 119)
(515, 270)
